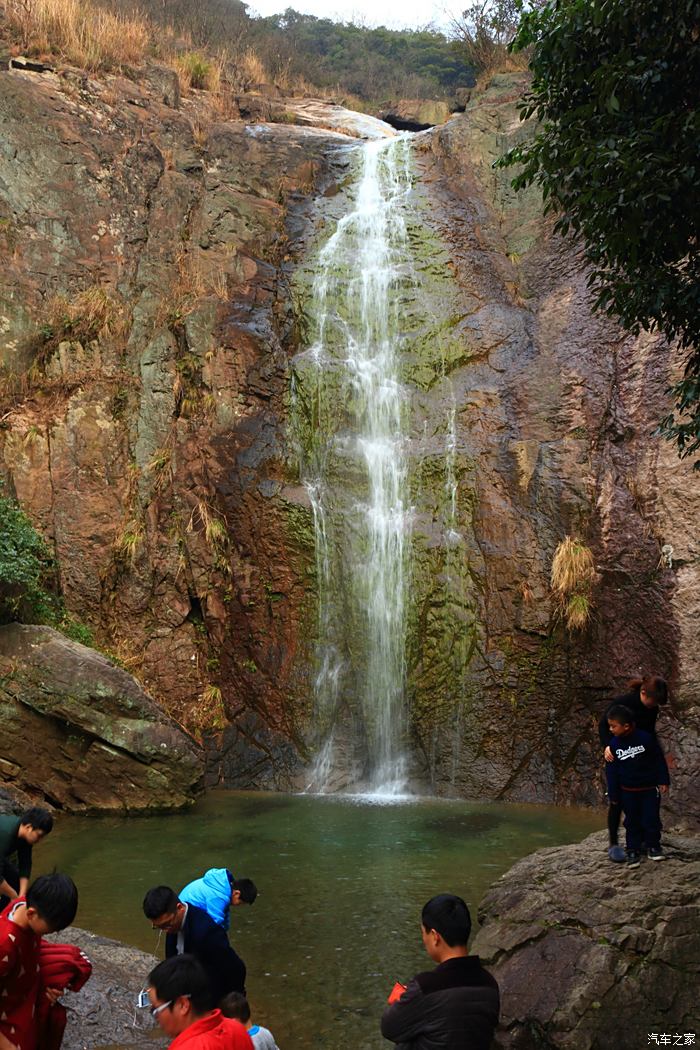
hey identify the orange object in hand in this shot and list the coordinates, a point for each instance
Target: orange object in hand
(396, 992)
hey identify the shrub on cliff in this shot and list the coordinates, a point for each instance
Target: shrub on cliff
(26, 567)
(615, 89)
(28, 576)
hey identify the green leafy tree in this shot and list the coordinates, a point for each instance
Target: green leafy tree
(484, 30)
(617, 155)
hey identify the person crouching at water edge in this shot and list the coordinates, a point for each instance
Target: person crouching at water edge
(180, 998)
(217, 892)
(190, 930)
(637, 777)
(18, 835)
(456, 1005)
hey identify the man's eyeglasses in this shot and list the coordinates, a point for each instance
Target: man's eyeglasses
(155, 1010)
(164, 922)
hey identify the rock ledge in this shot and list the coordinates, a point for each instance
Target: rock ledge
(591, 955)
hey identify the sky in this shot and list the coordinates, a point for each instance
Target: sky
(395, 14)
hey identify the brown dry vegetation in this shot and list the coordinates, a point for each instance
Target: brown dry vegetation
(572, 578)
(85, 34)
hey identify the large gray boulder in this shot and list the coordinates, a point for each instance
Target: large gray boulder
(590, 955)
(80, 732)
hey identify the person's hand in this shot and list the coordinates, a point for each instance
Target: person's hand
(663, 788)
(53, 995)
(608, 754)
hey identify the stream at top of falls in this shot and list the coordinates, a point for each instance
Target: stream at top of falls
(341, 886)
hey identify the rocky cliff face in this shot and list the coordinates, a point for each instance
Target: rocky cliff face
(555, 420)
(148, 316)
(144, 326)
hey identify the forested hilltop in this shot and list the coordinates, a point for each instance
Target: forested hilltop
(339, 57)
(371, 63)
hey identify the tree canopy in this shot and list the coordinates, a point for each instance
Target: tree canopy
(374, 64)
(617, 155)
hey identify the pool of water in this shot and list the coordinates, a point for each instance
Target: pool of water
(341, 883)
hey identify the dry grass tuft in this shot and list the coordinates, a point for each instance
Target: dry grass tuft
(572, 567)
(199, 71)
(209, 712)
(572, 578)
(577, 611)
(250, 69)
(82, 318)
(128, 543)
(214, 528)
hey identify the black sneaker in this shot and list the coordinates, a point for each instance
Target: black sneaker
(655, 853)
(617, 854)
(634, 858)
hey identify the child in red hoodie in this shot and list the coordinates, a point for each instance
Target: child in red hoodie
(50, 905)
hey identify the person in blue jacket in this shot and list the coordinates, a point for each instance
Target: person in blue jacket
(637, 777)
(216, 892)
(190, 931)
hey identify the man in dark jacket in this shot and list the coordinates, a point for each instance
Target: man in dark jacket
(189, 930)
(456, 1005)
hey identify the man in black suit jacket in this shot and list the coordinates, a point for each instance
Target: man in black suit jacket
(189, 929)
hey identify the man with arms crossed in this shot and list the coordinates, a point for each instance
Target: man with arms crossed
(453, 1007)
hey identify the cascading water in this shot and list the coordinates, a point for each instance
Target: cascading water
(355, 471)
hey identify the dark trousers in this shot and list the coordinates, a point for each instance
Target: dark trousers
(642, 817)
(10, 874)
(614, 814)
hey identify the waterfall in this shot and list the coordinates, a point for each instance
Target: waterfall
(354, 467)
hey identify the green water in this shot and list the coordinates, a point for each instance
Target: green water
(341, 884)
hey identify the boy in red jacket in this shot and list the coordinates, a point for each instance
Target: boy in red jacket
(50, 905)
(178, 990)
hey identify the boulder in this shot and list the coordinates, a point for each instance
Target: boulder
(104, 1011)
(415, 114)
(81, 733)
(589, 954)
(164, 83)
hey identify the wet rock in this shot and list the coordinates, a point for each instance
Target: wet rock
(104, 1011)
(81, 733)
(583, 948)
